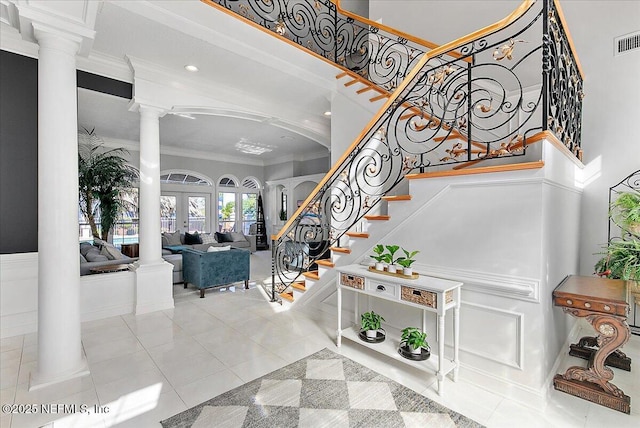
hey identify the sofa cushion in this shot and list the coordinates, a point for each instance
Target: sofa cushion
(224, 237)
(85, 247)
(82, 259)
(95, 256)
(172, 238)
(192, 238)
(237, 237)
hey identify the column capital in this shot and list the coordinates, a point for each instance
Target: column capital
(147, 108)
(72, 20)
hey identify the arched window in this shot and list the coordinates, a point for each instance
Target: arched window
(185, 177)
(250, 188)
(251, 183)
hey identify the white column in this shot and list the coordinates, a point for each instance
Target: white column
(149, 192)
(59, 342)
(154, 278)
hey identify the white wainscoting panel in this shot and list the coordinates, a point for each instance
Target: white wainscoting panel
(502, 343)
(18, 294)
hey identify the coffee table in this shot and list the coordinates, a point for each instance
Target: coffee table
(109, 268)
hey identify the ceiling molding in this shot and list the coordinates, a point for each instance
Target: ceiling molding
(189, 24)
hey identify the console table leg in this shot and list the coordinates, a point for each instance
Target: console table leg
(593, 383)
(456, 337)
(440, 374)
(339, 332)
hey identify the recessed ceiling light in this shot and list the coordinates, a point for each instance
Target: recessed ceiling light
(327, 113)
(191, 68)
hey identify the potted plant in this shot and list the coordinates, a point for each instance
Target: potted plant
(392, 249)
(414, 340)
(407, 261)
(104, 176)
(621, 260)
(370, 324)
(625, 211)
(379, 256)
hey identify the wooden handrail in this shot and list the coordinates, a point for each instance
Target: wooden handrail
(524, 6)
(569, 38)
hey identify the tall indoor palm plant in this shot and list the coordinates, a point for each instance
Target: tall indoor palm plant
(103, 176)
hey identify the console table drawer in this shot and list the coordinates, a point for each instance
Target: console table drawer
(386, 290)
(423, 297)
(353, 281)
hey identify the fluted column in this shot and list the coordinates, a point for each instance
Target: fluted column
(149, 192)
(59, 341)
(154, 279)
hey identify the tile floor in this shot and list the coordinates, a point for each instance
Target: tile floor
(147, 368)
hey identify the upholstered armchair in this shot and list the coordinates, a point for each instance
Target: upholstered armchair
(215, 269)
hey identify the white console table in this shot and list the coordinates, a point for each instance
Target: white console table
(427, 293)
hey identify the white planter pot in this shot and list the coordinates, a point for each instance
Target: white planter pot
(372, 334)
(379, 266)
(407, 271)
(392, 269)
(415, 350)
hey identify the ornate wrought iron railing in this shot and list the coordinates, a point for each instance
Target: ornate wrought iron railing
(376, 52)
(487, 95)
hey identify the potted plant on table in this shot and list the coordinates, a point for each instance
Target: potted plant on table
(391, 260)
(379, 256)
(407, 261)
(413, 344)
(370, 322)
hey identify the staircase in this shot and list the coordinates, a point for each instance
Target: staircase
(471, 106)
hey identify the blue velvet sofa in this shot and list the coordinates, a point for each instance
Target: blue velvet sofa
(215, 269)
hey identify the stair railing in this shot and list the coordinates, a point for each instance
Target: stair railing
(375, 52)
(486, 95)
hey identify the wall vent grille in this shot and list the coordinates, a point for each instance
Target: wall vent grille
(627, 43)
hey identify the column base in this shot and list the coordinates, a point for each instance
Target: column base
(154, 287)
(39, 381)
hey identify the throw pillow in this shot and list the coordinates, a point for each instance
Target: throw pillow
(207, 238)
(224, 237)
(237, 237)
(192, 238)
(85, 247)
(173, 238)
(111, 252)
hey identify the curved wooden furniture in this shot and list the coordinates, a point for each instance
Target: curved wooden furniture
(602, 302)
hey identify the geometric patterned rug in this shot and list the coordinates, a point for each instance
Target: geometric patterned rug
(322, 390)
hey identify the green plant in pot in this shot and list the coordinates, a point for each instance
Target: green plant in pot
(103, 177)
(621, 260)
(391, 259)
(407, 261)
(379, 256)
(414, 339)
(625, 212)
(370, 322)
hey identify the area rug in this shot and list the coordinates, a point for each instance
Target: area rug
(322, 390)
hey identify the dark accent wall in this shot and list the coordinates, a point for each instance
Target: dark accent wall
(18, 153)
(19, 146)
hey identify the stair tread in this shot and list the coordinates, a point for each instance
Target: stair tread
(377, 217)
(299, 286)
(312, 274)
(341, 250)
(397, 198)
(326, 263)
(287, 296)
(357, 234)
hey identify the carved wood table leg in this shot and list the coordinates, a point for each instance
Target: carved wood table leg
(588, 345)
(593, 382)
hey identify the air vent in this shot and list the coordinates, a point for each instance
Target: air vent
(627, 43)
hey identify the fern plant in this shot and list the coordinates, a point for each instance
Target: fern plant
(625, 211)
(621, 260)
